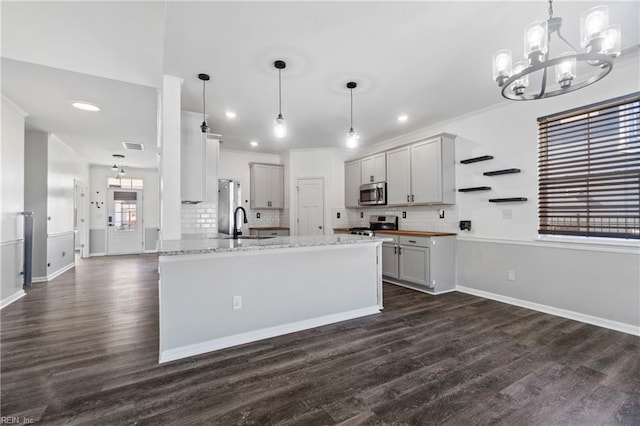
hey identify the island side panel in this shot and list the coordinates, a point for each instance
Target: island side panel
(282, 291)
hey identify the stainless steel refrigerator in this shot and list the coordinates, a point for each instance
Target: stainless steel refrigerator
(229, 197)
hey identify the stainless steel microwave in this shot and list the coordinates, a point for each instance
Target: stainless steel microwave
(373, 194)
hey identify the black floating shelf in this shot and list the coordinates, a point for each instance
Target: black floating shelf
(476, 159)
(475, 188)
(501, 172)
(507, 200)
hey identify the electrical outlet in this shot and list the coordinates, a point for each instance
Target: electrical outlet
(511, 275)
(338, 215)
(507, 214)
(441, 214)
(237, 302)
(404, 215)
(258, 215)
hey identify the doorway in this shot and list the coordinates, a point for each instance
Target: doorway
(310, 206)
(124, 221)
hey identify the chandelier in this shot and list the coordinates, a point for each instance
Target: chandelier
(601, 44)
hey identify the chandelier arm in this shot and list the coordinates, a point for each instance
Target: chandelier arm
(543, 85)
(566, 42)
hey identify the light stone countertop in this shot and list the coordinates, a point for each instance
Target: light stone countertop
(203, 245)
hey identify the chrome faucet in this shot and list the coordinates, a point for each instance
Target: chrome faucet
(235, 223)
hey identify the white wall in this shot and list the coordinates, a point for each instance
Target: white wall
(327, 163)
(98, 192)
(11, 200)
(64, 167)
(593, 282)
(35, 195)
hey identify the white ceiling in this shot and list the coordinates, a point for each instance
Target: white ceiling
(429, 60)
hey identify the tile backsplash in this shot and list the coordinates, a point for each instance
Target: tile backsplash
(419, 218)
(202, 218)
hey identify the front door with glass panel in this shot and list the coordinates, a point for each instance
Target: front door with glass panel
(124, 221)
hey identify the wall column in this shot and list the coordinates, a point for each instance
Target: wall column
(169, 162)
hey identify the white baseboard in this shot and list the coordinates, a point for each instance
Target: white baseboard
(97, 254)
(150, 251)
(60, 271)
(9, 300)
(39, 279)
(416, 287)
(564, 313)
(265, 333)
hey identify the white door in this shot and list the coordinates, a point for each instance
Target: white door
(310, 206)
(124, 221)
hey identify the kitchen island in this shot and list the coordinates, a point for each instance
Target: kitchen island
(219, 292)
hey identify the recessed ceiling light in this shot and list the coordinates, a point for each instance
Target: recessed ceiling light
(230, 114)
(85, 106)
(254, 143)
(402, 118)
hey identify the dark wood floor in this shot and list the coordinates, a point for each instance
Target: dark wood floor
(84, 349)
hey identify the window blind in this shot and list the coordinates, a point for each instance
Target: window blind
(589, 170)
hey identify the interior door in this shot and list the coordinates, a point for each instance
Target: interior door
(124, 221)
(310, 206)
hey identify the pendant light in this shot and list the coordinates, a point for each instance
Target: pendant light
(352, 136)
(280, 127)
(601, 44)
(116, 168)
(204, 127)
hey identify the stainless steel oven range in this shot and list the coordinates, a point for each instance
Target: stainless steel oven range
(377, 223)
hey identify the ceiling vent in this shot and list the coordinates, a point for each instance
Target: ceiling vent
(133, 146)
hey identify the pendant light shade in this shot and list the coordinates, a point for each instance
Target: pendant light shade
(114, 168)
(204, 126)
(280, 126)
(352, 135)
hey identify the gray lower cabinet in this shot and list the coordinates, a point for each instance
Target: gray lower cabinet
(270, 232)
(422, 263)
(390, 260)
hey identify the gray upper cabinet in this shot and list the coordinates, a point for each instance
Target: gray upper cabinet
(374, 169)
(422, 173)
(198, 161)
(399, 176)
(352, 183)
(267, 186)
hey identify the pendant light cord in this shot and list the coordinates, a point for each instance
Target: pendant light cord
(351, 90)
(550, 9)
(204, 101)
(279, 92)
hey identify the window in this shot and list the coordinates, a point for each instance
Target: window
(125, 183)
(125, 210)
(589, 170)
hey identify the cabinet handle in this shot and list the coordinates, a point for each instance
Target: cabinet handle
(412, 241)
(399, 250)
(274, 233)
(412, 198)
(370, 178)
(395, 249)
(407, 198)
